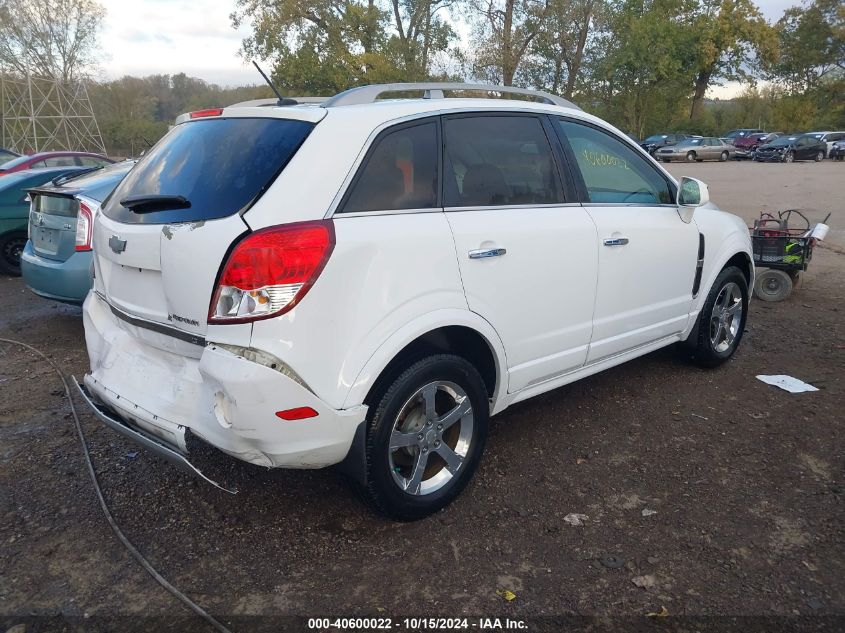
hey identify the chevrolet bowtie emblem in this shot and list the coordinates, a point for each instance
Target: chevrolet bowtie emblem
(117, 245)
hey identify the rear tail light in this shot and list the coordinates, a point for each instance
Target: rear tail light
(84, 226)
(200, 114)
(269, 271)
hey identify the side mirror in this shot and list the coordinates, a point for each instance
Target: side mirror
(691, 194)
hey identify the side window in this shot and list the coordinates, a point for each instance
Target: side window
(612, 171)
(400, 172)
(38, 164)
(498, 160)
(90, 161)
(60, 161)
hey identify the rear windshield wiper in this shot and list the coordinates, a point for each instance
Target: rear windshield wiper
(153, 202)
(72, 175)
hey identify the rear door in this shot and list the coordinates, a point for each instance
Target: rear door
(164, 232)
(647, 255)
(526, 252)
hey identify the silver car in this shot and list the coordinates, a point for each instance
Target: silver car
(696, 149)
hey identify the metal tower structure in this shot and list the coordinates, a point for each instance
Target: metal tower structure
(42, 114)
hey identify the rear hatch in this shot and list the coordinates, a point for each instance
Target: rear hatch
(163, 234)
(55, 208)
(52, 225)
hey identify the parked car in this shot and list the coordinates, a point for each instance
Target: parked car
(656, 141)
(366, 281)
(745, 146)
(696, 149)
(837, 152)
(14, 210)
(54, 159)
(739, 133)
(829, 138)
(6, 155)
(57, 260)
(791, 148)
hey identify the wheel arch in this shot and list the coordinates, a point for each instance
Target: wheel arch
(459, 332)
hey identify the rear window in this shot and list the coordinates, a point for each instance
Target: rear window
(220, 165)
(99, 184)
(56, 205)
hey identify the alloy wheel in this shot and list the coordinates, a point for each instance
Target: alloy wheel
(726, 317)
(431, 438)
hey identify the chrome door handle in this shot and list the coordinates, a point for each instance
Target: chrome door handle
(483, 253)
(616, 241)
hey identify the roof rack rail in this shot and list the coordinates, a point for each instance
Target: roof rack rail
(263, 103)
(434, 90)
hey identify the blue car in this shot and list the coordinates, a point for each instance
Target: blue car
(57, 262)
(14, 212)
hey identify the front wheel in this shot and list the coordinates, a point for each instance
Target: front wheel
(723, 157)
(789, 158)
(425, 437)
(690, 157)
(722, 319)
(11, 248)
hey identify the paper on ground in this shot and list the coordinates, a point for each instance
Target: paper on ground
(788, 383)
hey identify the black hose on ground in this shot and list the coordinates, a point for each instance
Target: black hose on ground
(193, 606)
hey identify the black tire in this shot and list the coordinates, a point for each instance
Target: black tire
(690, 157)
(383, 464)
(723, 157)
(706, 352)
(773, 285)
(11, 247)
(789, 157)
(819, 157)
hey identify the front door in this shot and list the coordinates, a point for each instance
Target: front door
(647, 255)
(528, 259)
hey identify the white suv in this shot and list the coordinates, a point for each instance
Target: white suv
(364, 282)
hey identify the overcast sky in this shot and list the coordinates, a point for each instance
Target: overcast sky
(144, 37)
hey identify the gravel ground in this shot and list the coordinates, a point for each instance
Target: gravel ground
(707, 493)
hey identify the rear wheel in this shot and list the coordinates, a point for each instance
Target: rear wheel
(773, 285)
(425, 437)
(819, 156)
(722, 319)
(11, 247)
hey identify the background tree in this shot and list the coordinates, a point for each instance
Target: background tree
(730, 36)
(421, 33)
(557, 56)
(812, 45)
(50, 38)
(503, 30)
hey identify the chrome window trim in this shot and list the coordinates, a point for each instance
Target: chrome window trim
(359, 214)
(511, 207)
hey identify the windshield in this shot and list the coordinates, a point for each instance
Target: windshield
(783, 140)
(656, 138)
(20, 160)
(220, 166)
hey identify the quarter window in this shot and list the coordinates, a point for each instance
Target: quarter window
(612, 171)
(498, 160)
(400, 172)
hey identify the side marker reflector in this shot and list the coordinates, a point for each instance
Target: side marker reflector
(299, 413)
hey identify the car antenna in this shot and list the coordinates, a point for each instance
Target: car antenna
(282, 100)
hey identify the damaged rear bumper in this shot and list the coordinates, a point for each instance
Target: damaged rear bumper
(175, 454)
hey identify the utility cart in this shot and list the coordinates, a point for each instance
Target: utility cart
(784, 251)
